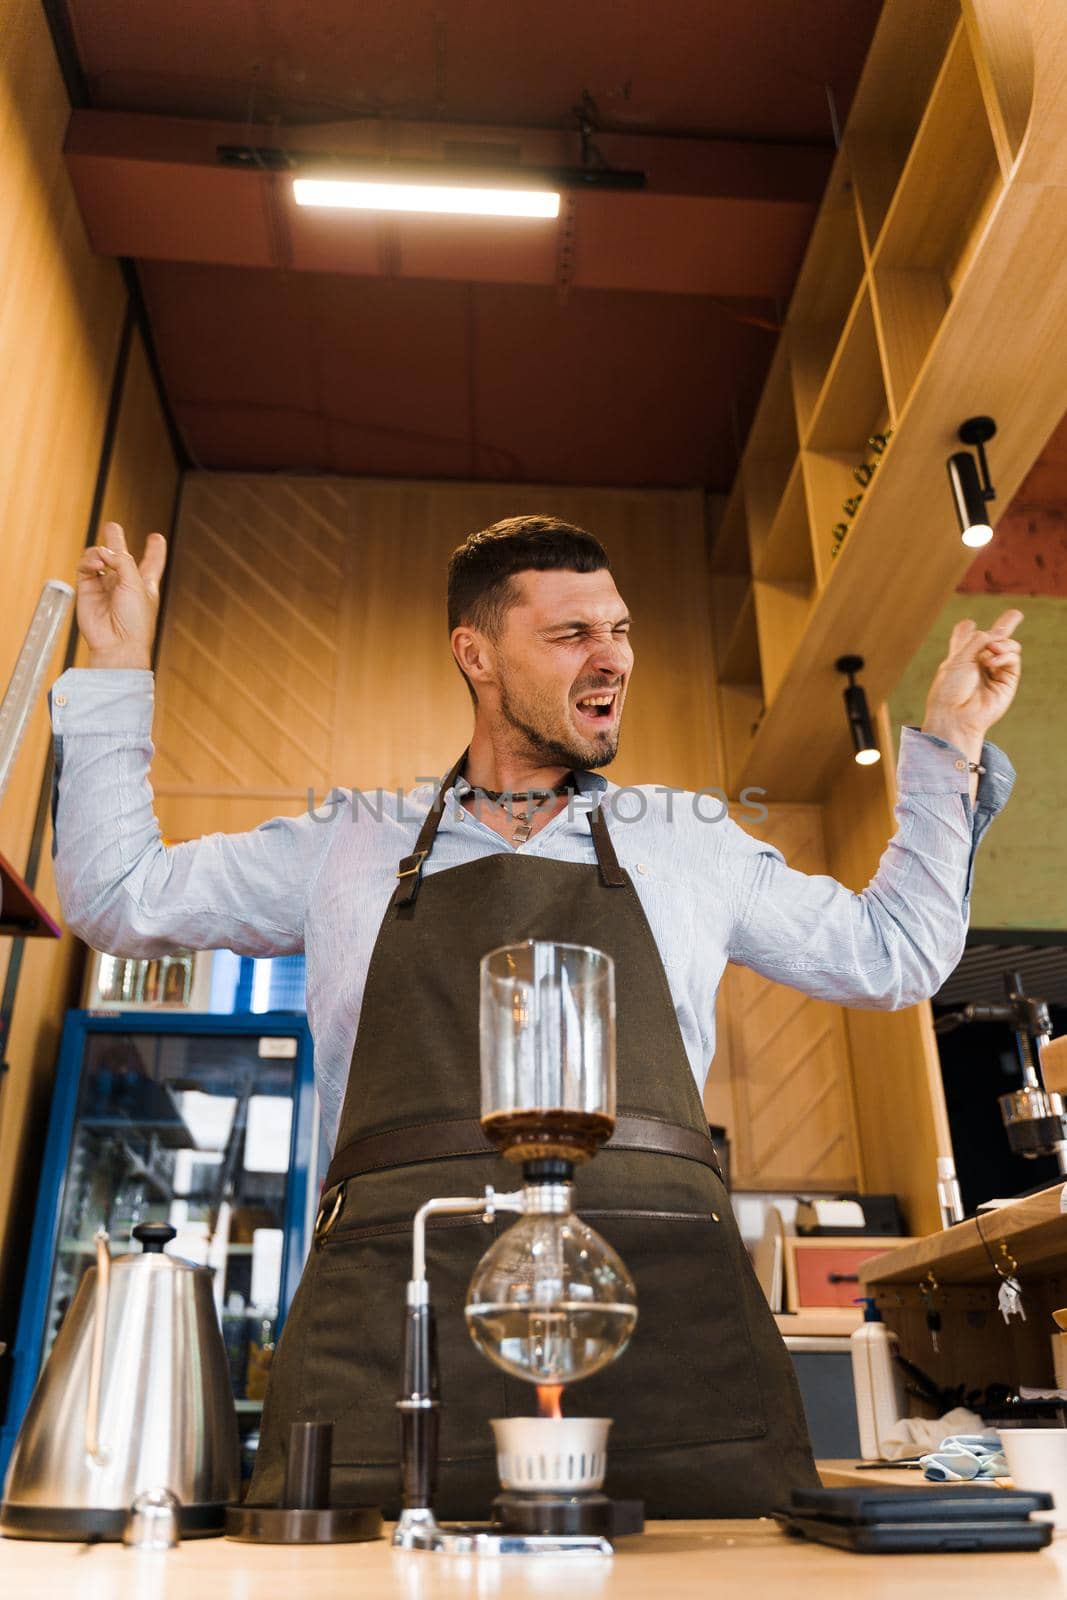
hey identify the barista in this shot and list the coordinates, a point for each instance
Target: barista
(394, 913)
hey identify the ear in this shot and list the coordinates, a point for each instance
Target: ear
(474, 653)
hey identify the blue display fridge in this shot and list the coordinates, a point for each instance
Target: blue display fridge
(208, 1122)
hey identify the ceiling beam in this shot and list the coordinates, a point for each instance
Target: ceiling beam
(717, 217)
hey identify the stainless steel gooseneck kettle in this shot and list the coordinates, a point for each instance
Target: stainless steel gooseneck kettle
(134, 1398)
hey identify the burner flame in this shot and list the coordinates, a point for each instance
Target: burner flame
(549, 1397)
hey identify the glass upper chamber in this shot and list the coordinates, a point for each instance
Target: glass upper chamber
(547, 1050)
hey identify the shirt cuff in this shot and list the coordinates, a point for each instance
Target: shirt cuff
(929, 765)
(109, 700)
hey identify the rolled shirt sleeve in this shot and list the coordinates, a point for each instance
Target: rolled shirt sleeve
(896, 941)
(120, 887)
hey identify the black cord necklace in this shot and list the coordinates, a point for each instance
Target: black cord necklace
(495, 796)
(534, 800)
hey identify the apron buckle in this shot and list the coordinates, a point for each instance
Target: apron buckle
(329, 1211)
(412, 864)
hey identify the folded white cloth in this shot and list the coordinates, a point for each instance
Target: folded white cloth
(916, 1436)
(965, 1456)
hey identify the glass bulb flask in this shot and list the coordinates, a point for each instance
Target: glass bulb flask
(551, 1301)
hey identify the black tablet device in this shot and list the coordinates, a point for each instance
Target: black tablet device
(966, 1502)
(911, 1538)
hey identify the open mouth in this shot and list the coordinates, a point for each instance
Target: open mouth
(597, 710)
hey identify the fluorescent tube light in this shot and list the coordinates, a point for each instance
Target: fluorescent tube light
(446, 199)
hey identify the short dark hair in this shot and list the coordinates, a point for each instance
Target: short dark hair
(481, 572)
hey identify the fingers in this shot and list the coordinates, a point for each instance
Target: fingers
(1001, 657)
(960, 634)
(1006, 624)
(99, 562)
(971, 641)
(153, 562)
(111, 556)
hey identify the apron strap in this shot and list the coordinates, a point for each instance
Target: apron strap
(613, 875)
(409, 872)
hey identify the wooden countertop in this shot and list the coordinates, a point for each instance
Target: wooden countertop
(678, 1560)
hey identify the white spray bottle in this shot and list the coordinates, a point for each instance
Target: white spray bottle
(877, 1378)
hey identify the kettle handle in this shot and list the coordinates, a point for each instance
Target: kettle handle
(96, 1362)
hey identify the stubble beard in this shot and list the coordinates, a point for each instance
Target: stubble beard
(549, 750)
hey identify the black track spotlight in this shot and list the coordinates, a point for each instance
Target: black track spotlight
(971, 488)
(859, 716)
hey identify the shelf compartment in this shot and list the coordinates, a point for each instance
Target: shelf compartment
(784, 551)
(825, 291)
(740, 706)
(734, 624)
(950, 182)
(728, 538)
(782, 611)
(828, 483)
(853, 403)
(911, 306)
(902, 65)
(771, 449)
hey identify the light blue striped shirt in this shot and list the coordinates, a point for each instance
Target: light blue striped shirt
(321, 882)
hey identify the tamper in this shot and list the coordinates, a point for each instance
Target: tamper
(305, 1515)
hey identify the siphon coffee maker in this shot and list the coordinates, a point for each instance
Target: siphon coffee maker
(550, 1302)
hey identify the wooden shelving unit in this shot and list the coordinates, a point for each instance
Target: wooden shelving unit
(913, 309)
(977, 1347)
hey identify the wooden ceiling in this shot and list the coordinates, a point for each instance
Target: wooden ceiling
(625, 345)
(630, 351)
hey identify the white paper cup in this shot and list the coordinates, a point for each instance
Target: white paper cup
(1037, 1458)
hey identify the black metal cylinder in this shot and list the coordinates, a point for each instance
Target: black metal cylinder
(967, 496)
(859, 719)
(419, 1408)
(307, 1466)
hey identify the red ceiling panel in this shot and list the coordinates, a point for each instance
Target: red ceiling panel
(435, 348)
(746, 68)
(388, 377)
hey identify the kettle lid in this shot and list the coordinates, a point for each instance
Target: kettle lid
(154, 1235)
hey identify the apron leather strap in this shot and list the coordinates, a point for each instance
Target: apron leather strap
(437, 1141)
(608, 862)
(409, 872)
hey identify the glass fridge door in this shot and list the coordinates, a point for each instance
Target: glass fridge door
(195, 1129)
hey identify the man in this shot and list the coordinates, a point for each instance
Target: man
(523, 841)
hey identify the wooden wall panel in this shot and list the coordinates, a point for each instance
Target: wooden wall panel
(61, 312)
(60, 318)
(139, 493)
(305, 640)
(896, 1077)
(786, 1057)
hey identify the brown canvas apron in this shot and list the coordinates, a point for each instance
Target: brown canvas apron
(708, 1418)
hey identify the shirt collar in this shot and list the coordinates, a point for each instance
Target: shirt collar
(586, 783)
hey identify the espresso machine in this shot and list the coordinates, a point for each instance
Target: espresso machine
(1033, 1116)
(550, 1302)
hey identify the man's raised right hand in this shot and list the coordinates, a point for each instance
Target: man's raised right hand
(118, 601)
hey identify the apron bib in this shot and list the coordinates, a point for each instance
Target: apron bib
(708, 1418)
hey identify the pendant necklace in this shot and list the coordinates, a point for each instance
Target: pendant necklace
(534, 798)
